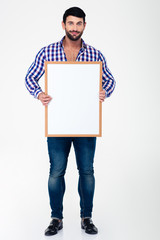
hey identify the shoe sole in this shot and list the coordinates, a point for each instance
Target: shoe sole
(55, 232)
(87, 231)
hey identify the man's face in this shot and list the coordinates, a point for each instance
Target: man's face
(74, 27)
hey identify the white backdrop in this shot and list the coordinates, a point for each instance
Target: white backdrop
(127, 197)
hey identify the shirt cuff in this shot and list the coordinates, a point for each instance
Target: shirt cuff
(37, 92)
(106, 95)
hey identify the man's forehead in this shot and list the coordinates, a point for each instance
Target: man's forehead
(74, 19)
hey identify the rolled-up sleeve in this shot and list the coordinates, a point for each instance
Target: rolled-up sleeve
(34, 73)
(108, 81)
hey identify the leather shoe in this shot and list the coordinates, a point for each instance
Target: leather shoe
(53, 227)
(88, 226)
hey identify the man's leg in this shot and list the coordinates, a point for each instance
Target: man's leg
(58, 149)
(85, 150)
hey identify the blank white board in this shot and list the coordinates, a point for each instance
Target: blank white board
(75, 109)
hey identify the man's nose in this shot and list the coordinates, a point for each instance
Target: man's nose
(75, 28)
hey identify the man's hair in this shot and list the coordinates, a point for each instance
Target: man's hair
(74, 11)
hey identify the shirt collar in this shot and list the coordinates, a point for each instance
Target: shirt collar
(83, 43)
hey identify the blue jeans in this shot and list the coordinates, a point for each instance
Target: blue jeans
(58, 149)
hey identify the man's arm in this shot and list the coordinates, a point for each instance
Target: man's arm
(108, 81)
(34, 73)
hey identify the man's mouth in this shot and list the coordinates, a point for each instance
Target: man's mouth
(74, 33)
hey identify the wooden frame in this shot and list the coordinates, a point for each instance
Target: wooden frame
(68, 70)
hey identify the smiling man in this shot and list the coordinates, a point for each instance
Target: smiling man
(73, 32)
(71, 48)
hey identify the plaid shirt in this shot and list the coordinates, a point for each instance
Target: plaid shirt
(55, 52)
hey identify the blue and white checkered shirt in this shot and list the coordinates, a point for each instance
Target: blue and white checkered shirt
(55, 52)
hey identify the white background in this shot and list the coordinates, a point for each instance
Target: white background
(127, 197)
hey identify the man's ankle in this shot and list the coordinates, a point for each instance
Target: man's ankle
(57, 219)
(85, 218)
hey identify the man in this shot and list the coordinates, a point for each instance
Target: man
(70, 48)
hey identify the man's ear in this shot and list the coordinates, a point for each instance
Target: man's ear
(85, 25)
(63, 25)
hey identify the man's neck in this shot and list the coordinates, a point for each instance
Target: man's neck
(69, 44)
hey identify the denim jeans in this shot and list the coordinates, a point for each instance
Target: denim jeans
(58, 149)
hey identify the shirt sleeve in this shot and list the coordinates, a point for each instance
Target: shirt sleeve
(34, 73)
(108, 81)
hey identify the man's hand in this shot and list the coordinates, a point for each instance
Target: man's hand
(102, 95)
(44, 98)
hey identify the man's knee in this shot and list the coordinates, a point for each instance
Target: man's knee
(86, 172)
(56, 173)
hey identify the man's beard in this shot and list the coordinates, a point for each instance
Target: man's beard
(74, 38)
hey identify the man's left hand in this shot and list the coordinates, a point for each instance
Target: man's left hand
(102, 95)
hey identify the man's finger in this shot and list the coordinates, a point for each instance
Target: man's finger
(46, 97)
(46, 101)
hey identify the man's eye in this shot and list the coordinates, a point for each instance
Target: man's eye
(79, 24)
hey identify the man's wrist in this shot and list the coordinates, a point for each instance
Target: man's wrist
(38, 95)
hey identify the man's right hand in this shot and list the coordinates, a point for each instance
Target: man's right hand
(44, 98)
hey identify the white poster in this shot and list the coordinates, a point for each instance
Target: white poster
(75, 109)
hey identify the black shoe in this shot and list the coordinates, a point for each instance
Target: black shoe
(53, 227)
(88, 225)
